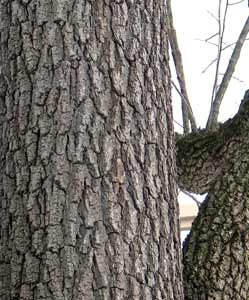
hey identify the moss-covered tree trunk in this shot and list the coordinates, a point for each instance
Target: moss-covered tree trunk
(216, 253)
(87, 171)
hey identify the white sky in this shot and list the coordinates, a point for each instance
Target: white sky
(193, 23)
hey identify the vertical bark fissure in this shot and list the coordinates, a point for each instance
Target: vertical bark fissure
(88, 201)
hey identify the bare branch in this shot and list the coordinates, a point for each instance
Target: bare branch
(221, 36)
(214, 112)
(237, 79)
(191, 114)
(178, 123)
(187, 114)
(198, 203)
(214, 60)
(234, 77)
(208, 42)
(235, 3)
(209, 65)
(211, 37)
(213, 16)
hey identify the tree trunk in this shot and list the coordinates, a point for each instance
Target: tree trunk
(216, 253)
(87, 171)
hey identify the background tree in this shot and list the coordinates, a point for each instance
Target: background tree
(215, 161)
(87, 171)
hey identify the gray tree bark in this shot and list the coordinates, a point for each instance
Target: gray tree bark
(87, 170)
(216, 253)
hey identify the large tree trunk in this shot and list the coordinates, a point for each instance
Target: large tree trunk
(216, 253)
(87, 175)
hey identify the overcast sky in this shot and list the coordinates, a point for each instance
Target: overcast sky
(193, 23)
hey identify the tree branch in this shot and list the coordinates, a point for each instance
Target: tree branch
(220, 44)
(213, 116)
(197, 202)
(187, 113)
(191, 114)
(200, 156)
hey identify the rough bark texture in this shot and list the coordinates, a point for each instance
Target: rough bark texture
(87, 176)
(216, 253)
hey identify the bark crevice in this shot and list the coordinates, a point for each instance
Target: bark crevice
(215, 254)
(202, 155)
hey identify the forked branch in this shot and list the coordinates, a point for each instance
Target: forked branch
(214, 112)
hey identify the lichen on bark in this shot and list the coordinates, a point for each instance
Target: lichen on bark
(215, 254)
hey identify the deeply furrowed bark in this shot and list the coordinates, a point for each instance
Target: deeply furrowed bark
(87, 176)
(216, 253)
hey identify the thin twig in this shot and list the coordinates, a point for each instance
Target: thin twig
(192, 197)
(185, 101)
(207, 42)
(211, 37)
(238, 2)
(216, 45)
(234, 77)
(218, 54)
(217, 69)
(214, 60)
(209, 65)
(221, 36)
(178, 123)
(213, 16)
